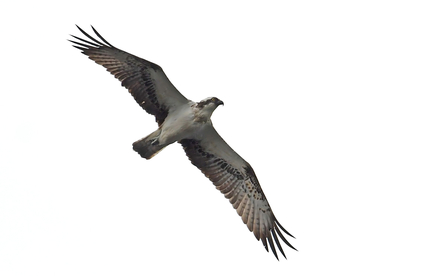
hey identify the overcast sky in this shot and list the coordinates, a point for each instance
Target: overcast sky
(340, 108)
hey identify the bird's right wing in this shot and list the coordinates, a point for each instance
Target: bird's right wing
(145, 80)
(235, 178)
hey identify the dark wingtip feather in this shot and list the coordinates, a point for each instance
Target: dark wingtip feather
(80, 48)
(283, 238)
(264, 242)
(272, 246)
(89, 36)
(278, 243)
(84, 44)
(79, 44)
(105, 41)
(282, 228)
(86, 41)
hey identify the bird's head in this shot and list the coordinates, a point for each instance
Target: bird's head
(207, 106)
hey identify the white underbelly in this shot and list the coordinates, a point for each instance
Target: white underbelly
(180, 125)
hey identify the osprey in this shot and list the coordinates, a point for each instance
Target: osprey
(189, 123)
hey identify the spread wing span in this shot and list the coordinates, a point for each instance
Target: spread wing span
(145, 80)
(229, 172)
(235, 178)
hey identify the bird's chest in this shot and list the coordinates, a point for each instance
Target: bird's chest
(180, 125)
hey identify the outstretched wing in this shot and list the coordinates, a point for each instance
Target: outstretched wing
(145, 80)
(235, 178)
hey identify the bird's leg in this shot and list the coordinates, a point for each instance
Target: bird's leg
(155, 141)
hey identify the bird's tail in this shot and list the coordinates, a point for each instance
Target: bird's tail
(149, 146)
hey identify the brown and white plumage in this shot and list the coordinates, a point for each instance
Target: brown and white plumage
(187, 122)
(235, 178)
(145, 80)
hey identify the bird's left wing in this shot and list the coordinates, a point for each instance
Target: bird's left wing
(145, 80)
(235, 178)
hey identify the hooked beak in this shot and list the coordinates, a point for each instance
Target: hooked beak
(219, 102)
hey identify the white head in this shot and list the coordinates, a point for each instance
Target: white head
(207, 106)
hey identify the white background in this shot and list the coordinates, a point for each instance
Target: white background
(340, 107)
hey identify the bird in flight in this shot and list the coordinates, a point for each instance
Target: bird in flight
(189, 123)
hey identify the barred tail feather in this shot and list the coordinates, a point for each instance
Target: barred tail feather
(148, 146)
